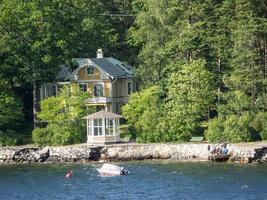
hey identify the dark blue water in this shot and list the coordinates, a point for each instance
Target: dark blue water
(148, 180)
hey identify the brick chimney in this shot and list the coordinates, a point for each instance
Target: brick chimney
(99, 53)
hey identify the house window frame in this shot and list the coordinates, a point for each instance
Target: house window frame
(129, 89)
(81, 85)
(103, 91)
(109, 127)
(97, 127)
(88, 68)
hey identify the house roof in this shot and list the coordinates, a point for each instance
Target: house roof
(113, 67)
(102, 114)
(63, 73)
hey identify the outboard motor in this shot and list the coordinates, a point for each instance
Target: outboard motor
(124, 171)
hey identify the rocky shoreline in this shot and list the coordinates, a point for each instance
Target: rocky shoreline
(82, 153)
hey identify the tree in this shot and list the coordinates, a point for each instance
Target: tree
(10, 107)
(249, 34)
(38, 36)
(63, 114)
(190, 93)
(11, 115)
(143, 112)
(151, 31)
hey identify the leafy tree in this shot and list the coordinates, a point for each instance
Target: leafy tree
(38, 36)
(10, 107)
(143, 112)
(190, 93)
(11, 115)
(249, 52)
(151, 31)
(63, 114)
(214, 133)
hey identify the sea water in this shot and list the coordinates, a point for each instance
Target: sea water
(147, 180)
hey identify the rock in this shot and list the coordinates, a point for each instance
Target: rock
(241, 153)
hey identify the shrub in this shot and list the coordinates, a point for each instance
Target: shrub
(260, 124)
(59, 134)
(9, 138)
(63, 115)
(143, 114)
(263, 134)
(215, 130)
(237, 128)
(41, 136)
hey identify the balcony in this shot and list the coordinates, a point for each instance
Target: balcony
(99, 100)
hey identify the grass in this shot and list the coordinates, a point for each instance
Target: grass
(124, 132)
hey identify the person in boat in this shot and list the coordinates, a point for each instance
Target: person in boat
(224, 149)
(69, 174)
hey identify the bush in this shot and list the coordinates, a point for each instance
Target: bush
(260, 124)
(215, 130)
(58, 134)
(237, 128)
(263, 134)
(63, 115)
(9, 138)
(143, 113)
(41, 136)
(149, 137)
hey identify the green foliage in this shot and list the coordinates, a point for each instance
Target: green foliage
(9, 138)
(190, 93)
(10, 107)
(41, 136)
(263, 134)
(237, 128)
(140, 104)
(188, 48)
(143, 112)
(64, 117)
(259, 123)
(229, 38)
(215, 131)
(10, 115)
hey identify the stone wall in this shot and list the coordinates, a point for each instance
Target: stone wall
(242, 153)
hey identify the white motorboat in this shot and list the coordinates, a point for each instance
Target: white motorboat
(112, 170)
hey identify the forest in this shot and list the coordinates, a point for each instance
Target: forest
(201, 64)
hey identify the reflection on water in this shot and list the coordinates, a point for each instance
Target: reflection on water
(147, 180)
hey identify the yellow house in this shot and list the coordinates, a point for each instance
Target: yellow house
(109, 80)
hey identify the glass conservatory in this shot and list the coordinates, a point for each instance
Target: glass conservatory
(103, 127)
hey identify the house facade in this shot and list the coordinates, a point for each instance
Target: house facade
(109, 81)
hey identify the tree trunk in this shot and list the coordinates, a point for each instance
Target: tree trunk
(219, 72)
(36, 100)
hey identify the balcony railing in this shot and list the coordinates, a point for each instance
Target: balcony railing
(99, 100)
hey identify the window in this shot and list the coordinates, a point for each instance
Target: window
(99, 90)
(98, 127)
(130, 88)
(117, 127)
(99, 108)
(109, 127)
(89, 127)
(90, 70)
(51, 90)
(59, 87)
(83, 87)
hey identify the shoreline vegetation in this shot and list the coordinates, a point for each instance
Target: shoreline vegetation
(84, 153)
(200, 67)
